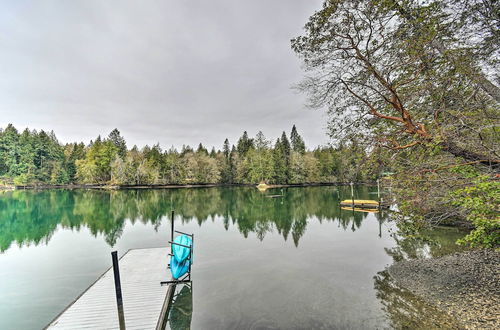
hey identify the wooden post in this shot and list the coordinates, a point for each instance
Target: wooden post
(352, 194)
(118, 290)
(378, 194)
(378, 189)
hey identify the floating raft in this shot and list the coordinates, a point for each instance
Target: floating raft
(358, 209)
(274, 196)
(363, 203)
(141, 271)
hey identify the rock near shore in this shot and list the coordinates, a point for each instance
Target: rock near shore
(464, 285)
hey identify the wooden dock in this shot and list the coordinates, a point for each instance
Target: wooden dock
(141, 271)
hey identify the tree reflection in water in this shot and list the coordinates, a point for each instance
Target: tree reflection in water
(180, 311)
(31, 217)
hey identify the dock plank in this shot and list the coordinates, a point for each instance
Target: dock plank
(141, 271)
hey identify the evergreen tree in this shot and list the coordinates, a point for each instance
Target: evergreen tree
(202, 149)
(280, 170)
(297, 142)
(286, 151)
(3, 166)
(48, 156)
(226, 149)
(119, 142)
(232, 164)
(10, 151)
(260, 141)
(173, 169)
(72, 153)
(185, 150)
(154, 154)
(244, 144)
(96, 167)
(27, 155)
(259, 161)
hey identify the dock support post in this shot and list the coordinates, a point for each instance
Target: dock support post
(163, 319)
(172, 231)
(118, 290)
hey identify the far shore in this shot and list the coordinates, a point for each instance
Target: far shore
(169, 186)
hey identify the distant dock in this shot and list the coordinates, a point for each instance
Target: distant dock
(141, 271)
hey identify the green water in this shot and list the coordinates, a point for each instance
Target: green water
(297, 261)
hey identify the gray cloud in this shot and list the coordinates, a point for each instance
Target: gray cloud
(172, 72)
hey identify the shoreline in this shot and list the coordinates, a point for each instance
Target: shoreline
(171, 186)
(464, 285)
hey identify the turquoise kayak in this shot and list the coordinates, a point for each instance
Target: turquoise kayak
(178, 269)
(181, 252)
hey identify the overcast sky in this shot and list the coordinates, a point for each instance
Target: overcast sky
(174, 72)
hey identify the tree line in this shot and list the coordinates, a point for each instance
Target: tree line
(31, 158)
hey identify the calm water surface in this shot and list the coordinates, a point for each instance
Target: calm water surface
(298, 261)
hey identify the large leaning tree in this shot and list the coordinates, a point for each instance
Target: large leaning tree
(406, 73)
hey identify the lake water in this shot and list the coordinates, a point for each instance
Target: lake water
(297, 261)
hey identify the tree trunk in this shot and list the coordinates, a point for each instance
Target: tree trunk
(468, 155)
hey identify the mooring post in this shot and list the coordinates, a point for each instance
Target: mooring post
(352, 194)
(118, 290)
(378, 194)
(378, 189)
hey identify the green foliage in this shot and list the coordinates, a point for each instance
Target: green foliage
(297, 142)
(259, 164)
(119, 142)
(280, 163)
(226, 164)
(22, 179)
(481, 201)
(200, 168)
(244, 144)
(96, 166)
(31, 157)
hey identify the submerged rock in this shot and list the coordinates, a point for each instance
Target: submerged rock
(465, 285)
